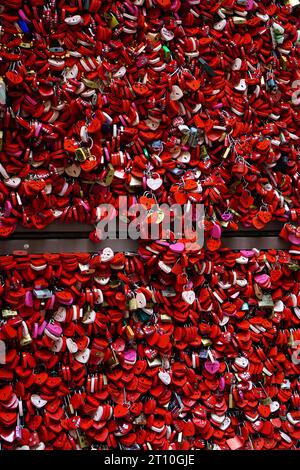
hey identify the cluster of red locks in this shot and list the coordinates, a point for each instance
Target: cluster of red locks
(187, 100)
(165, 101)
(110, 351)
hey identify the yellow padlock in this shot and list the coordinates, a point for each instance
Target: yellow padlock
(132, 304)
(111, 20)
(129, 332)
(109, 176)
(80, 154)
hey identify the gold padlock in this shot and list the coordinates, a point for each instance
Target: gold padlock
(83, 442)
(90, 83)
(86, 312)
(258, 291)
(82, 154)
(132, 304)
(156, 362)
(111, 20)
(26, 45)
(140, 420)
(25, 340)
(267, 401)
(109, 175)
(230, 400)
(7, 313)
(113, 361)
(165, 318)
(129, 332)
(135, 182)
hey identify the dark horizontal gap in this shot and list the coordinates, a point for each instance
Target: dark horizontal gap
(83, 236)
(251, 234)
(47, 236)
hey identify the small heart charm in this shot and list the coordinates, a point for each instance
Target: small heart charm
(193, 85)
(72, 20)
(165, 377)
(216, 231)
(274, 406)
(99, 298)
(225, 424)
(118, 345)
(177, 247)
(130, 356)
(89, 317)
(29, 299)
(37, 401)
(212, 367)
(154, 183)
(176, 93)
(264, 410)
(141, 90)
(189, 296)
(58, 345)
(107, 255)
(264, 216)
(184, 157)
(166, 35)
(241, 86)
(54, 329)
(257, 425)
(60, 315)
(72, 72)
(153, 125)
(247, 253)
(98, 414)
(261, 279)
(220, 25)
(237, 63)
(141, 300)
(241, 362)
(73, 170)
(217, 418)
(120, 73)
(102, 280)
(13, 182)
(293, 239)
(83, 356)
(72, 346)
(279, 306)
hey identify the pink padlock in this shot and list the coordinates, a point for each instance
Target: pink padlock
(42, 328)
(35, 330)
(216, 231)
(53, 330)
(29, 299)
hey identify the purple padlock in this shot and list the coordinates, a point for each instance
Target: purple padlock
(18, 432)
(226, 216)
